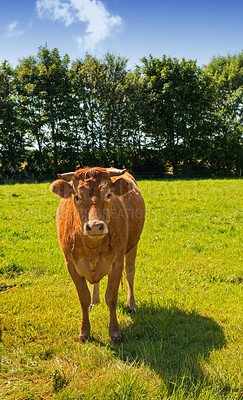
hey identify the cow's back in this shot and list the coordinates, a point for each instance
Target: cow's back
(134, 209)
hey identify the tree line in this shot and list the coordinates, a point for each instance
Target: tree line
(167, 116)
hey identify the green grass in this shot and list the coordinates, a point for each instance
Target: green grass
(185, 340)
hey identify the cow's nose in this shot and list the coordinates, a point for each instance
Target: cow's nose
(95, 228)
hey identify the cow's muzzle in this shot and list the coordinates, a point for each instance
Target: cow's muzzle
(95, 228)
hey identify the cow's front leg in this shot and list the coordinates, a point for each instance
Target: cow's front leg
(95, 299)
(85, 300)
(111, 300)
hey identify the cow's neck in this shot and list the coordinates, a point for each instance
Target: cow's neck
(91, 245)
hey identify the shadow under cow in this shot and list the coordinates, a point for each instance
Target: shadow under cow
(172, 342)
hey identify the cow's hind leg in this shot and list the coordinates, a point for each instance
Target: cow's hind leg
(130, 273)
(85, 300)
(95, 299)
(111, 300)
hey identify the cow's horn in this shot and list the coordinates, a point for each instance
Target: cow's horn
(115, 171)
(67, 177)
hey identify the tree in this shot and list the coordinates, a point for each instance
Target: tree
(100, 90)
(166, 115)
(227, 74)
(55, 95)
(31, 112)
(114, 109)
(85, 76)
(179, 113)
(13, 139)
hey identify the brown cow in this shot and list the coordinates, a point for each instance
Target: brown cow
(99, 222)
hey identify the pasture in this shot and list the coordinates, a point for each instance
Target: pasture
(185, 340)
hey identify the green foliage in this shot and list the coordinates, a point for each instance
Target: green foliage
(227, 74)
(166, 116)
(13, 140)
(180, 112)
(184, 341)
(101, 87)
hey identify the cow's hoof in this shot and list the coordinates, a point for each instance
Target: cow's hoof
(116, 339)
(131, 310)
(83, 338)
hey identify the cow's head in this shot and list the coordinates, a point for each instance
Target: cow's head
(92, 191)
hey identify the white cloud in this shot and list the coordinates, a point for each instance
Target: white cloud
(56, 9)
(100, 23)
(12, 30)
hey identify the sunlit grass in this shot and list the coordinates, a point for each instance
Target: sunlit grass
(184, 342)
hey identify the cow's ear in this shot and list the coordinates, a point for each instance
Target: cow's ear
(121, 187)
(61, 188)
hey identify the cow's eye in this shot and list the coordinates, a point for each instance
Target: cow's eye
(77, 198)
(109, 196)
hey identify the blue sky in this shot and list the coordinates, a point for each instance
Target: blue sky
(130, 28)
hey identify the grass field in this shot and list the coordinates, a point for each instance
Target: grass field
(185, 340)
